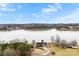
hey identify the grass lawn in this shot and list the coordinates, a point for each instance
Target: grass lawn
(59, 51)
(64, 51)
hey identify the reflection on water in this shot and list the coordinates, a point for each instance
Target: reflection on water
(39, 35)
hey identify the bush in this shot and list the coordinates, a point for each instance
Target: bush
(4, 46)
(24, 49)
(15, 48)
(9, 52)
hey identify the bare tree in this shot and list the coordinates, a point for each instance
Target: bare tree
(52, 39)
(63, 43)
(33, 42)
(74, 43)
(58, 39)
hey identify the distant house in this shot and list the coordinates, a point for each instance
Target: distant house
(40, 44)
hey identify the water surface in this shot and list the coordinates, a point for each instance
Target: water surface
(39, 35)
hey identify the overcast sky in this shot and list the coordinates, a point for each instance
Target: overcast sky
(39, 13)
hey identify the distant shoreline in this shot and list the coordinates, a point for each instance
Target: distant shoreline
(61, 27)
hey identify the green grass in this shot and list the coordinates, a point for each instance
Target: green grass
(64, 51)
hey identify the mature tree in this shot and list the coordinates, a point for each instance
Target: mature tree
(58, 39)
(63, 43)
(52, 39)
(33, 42)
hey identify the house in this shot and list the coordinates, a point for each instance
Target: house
(40, 44)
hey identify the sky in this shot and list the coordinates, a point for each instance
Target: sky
(39, 13)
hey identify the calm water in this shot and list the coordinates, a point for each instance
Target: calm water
(38, 35)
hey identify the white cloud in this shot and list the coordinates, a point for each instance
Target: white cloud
(51, 9)
(47, 11)
(40, 16)
(3, 4)
(58, 5)
(8, 9)
(35, 15)
(72, 18)
(5, 7)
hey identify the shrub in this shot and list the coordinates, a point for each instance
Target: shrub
(9, 52)
(15, 48)
(24, 49)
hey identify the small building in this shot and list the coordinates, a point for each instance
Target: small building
(40, 44)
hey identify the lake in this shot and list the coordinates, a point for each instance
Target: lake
(38, 35)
